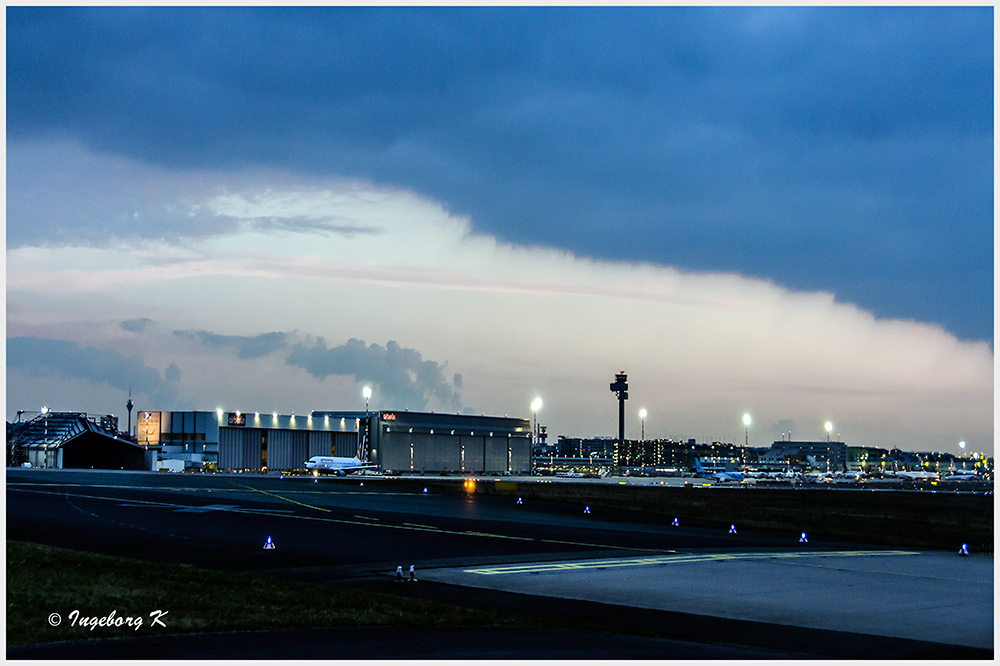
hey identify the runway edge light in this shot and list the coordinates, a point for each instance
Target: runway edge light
(803, 538)
(964, 550)
(268, 545)
(676, 522)
(732, 528)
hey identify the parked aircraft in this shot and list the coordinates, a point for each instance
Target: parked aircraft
(848, 477)
(341, 466)
(915, 476)
(962, 475)
(720, 477)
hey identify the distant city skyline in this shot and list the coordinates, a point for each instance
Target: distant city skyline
(267, 209)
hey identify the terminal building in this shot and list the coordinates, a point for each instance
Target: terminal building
(400, 442)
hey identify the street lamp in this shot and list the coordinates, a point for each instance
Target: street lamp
(829, 429)
(367, 393)
(642, 416)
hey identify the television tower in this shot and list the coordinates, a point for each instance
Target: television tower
(128, 405)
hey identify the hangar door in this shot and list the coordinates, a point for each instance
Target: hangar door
(240, 448)
(520, 454)
(345, 444)
(287, 449)
(496, 455)
(321, 444)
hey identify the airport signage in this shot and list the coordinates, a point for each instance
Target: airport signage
(237, 419)
(389, 417)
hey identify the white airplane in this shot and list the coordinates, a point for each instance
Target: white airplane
(961, 475)
(848, 477)
(341, 466)
(721, 477)
(917, 476)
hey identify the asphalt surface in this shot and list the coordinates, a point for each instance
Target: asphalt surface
(508, 643)
(356, 531)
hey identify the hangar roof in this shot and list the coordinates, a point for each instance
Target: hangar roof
(55, 429)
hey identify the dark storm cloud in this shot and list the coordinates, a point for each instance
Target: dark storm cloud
(41, 356)
(844, 149)
(136, 325)
(400, 376)
(245, 346)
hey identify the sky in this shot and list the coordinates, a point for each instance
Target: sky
(786, 212)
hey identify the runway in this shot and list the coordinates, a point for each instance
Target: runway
(534, 555)
(222, 521)
(897, 593)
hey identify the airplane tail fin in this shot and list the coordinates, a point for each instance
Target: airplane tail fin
(697, 466)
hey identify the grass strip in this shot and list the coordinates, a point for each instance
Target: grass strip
(45, 580)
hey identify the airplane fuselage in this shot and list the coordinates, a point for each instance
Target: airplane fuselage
(337, 465)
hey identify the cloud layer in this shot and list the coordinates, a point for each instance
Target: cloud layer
(842, 149)
(63, 359)
(401, 375)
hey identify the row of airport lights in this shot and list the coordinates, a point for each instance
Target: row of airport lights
(536, 405)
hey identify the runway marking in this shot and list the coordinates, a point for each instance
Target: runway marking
(498, 536)
(178, 508)
(318, 508)
(599, 545)
(583, 565)
(423, 527)
(233, 508)
(208, 507)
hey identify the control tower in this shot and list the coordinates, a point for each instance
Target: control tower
(620, 386)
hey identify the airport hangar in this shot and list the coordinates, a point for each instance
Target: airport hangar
(400, 442)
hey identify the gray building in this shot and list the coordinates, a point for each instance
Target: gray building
(431, 442)
(398, 441)
(73, 440)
